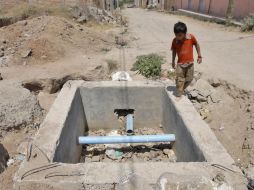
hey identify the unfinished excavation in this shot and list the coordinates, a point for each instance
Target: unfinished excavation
(89, 113)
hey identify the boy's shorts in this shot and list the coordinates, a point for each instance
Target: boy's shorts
(184, 76)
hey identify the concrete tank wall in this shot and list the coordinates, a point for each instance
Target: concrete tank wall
(101, 101)
(68, 150)
(90, 105)
(185, 147)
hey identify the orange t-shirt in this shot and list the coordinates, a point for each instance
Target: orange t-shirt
(184, 49)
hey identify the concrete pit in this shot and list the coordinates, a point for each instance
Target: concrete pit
(95, 108)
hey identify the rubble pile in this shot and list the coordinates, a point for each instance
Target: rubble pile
(83, 15)
(204, 94)
(46, 39)
(18, 108)
(153, 152)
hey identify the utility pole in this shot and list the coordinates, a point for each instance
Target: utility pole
(229, 14)
(209, 7)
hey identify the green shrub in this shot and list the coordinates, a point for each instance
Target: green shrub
(148, 65)
(248, 23)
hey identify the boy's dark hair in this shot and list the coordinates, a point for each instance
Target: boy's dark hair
(180, 27)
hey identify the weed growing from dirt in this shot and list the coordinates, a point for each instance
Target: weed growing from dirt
(149, 65)
(248, 23)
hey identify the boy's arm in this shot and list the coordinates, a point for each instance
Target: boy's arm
(197, 46)
(173, 58)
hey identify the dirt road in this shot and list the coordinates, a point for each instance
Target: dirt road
(227, 54)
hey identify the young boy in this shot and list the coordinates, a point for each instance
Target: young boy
(182, 46)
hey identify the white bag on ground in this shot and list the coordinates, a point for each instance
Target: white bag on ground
(121, 76)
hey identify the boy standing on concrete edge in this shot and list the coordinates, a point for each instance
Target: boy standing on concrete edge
(182, 46)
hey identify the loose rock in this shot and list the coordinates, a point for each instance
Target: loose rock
(95, 159)
(82, 19)
(26, 53)
(193, 93)
(214, 82)
(201, 98)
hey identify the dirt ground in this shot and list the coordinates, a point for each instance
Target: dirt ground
(224, 60)
(44, 51)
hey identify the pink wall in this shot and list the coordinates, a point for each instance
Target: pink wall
(242, 8)
(218, 7)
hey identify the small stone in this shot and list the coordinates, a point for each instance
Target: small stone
(214, 82)
(87, 159)
(171, 155)
(204, 113)
(1, 53)
(95, 158)
(201, 98)
(146, 154)
(166, 151)
(215, 97)
(26, 53)
(2, 48)
(205, 93)
(209, 100)
(156, 159)
(82, 19)
(219, 178)
(193, 93)
(22, 148)
(1, 78)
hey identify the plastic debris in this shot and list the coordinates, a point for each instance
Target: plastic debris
(114, 154)
(121, 76)
(20, 157)
(10, 162)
